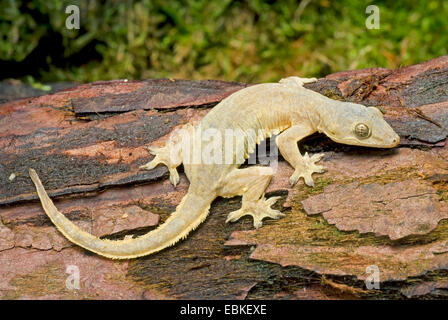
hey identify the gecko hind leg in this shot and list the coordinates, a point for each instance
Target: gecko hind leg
(251, 183)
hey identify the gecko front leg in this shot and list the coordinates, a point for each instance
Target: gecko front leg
(304, 166)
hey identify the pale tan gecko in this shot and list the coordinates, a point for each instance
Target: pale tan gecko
(258, 112)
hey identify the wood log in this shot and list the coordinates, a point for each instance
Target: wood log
(374, 209)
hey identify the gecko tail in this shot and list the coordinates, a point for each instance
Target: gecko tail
(191, 211)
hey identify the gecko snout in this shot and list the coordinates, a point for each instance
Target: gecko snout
(395, 140)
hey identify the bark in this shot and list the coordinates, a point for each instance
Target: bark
(373, 208)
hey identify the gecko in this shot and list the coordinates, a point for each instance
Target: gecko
(285, 109)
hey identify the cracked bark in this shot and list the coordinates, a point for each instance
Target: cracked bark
(87, 143)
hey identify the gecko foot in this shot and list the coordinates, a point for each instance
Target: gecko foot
(307, 170)
(163, 156)
(259, 210)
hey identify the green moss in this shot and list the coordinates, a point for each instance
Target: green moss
(250, 40)
(47, 280)
(333, 95)
(320, 184)
(443, 195)
(299, 228)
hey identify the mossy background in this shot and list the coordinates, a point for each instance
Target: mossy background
(247, 40)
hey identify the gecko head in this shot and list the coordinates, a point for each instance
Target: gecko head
(357, 125)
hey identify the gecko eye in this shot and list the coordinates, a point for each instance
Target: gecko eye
(362, 131)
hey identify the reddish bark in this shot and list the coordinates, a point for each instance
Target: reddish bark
(87, 143)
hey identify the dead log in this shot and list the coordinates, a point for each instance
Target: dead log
(373, 208)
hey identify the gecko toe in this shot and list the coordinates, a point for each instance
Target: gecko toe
(153, 150)
(272, 200)
(150, 165)
(309, 180)
(294, 179)
(317, 157)
(235, 215)
(258, 223)
(174, 176)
